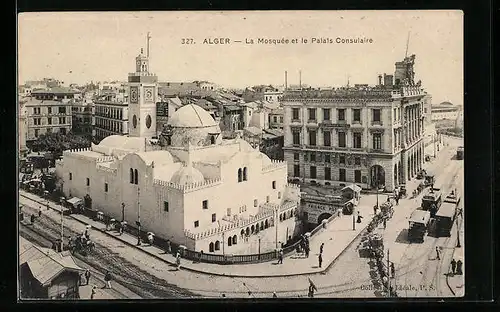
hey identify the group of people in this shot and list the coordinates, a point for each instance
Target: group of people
(456, 267)
(304, 246)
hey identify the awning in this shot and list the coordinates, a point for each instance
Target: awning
(353, 187)
(74, 201)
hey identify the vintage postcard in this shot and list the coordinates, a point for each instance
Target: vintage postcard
(256, 154)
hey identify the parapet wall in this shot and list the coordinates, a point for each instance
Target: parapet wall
(187, 188)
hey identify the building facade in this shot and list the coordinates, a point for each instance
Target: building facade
(83, 117)
(276, 118)
(110, 117)
(445, 110)
(49, 111)
(369, 137)
(192, 191)
(22, 126)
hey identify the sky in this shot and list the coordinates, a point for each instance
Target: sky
(79, 47)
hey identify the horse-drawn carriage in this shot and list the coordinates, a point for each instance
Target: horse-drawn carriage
(81, 244)
(387, 209)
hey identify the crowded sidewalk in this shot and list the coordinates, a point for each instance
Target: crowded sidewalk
(337, 236)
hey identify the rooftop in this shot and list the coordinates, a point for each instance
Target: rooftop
(372, 93)
(56, 90)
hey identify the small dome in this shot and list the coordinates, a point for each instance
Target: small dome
(191, 116)
(187, 175)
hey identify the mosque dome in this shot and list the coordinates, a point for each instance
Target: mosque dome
(191, 116)
(187, 175)
(193, 125)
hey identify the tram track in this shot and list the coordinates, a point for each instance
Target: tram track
(102, 258)
(41, 240)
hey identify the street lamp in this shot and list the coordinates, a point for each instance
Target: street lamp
(259, 236)
(276, 211)
(458, 234)
(138, 217)
(123, 212)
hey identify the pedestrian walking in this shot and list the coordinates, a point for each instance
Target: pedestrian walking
(374, 210)
(274, 295)
(459, 267)
(437, 253)
(169, 247)
(39, 211)
(321, 248)
(280, 256)
(397, 199)
(107, 279)
(320, 260)
(178, 261)
(306, 250)
(93, 293)
(150, 239)
(453, 266)
(312, 289)
(359, 218)
(385, 224)
(87, 277)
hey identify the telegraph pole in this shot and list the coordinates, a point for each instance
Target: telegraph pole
(138, 216)
(62, 223)
(388, 275)
(276, 209)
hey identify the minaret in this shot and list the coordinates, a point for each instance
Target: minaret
(143, 89)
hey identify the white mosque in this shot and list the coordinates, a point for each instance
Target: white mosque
(210, 194)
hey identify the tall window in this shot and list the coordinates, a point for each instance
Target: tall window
(295, 114)
(341, 139)
(70, 176)
(327, 140)
(377, 141)
(296, 156)
(49, 110)
(49, 120)
(204, 204)
(312, 114)
(136, 177)
(327, 158)
(245, 177)
(357, 161)
(357, 176)
(196, 224)
(395, 115)
(274, 185)
(342, 159)
(88, 182)
(313, 157)
(326, 114)
(342, 174)
(328, 173)
(296, 137)
(214, 217)
(105, 187)
(312, 137)
(341, 114)
(165, 206)
(312, 172)
(296, 171)
(356, 118)
(376, 115)
(356, 140)
(240, 175)
(62, 110)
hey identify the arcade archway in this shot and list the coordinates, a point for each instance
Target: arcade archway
(323, 216)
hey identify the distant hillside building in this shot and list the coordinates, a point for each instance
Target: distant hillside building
(445, 110)
(262, 93)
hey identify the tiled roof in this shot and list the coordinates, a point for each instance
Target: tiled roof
(56, 90)
(274, 132)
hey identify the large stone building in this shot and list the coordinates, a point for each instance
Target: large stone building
(111, 114)
(49, 111)
(367, 136)
(22, 127)
(445, 111)
(193, 191)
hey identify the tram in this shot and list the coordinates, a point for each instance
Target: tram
(418, 225)
(446, 215)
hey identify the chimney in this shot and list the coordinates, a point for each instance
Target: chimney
(379, 80)
(286, 80)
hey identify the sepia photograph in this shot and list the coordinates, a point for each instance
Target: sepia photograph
(240, 154)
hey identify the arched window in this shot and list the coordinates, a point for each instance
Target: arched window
(242, 232)
(281, 217)
(248, 231)
(131, 175)
(235, 239)
(211, 247)
(245, 178)
(217, 245)
(229, 241)
(262, 225)
(240, 175)
(253, 228)
(136, 177)
(266, 224)
(212, 139)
